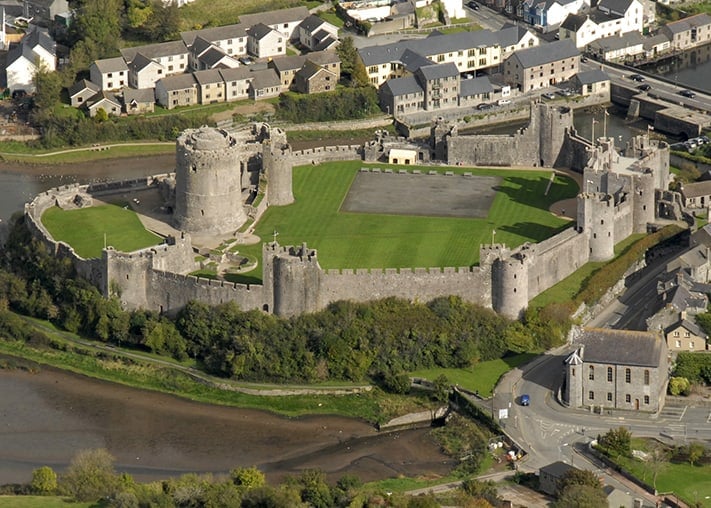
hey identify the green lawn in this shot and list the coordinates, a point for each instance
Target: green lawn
(482, 376)
(86, 229)
(519, 214)
(40, 502)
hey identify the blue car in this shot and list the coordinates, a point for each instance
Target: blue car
(525, 400)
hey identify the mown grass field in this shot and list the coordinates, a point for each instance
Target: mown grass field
(519, 214)
(84, 229)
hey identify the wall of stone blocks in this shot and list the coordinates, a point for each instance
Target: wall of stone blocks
(555, 259)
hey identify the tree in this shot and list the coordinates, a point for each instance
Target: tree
(582, 496)
(44, 480)
(578, 477)
(481, 490)
(441, 386)
(657, 460)
(91, 476)
(618, 441)
(353, 71)
(679, 386)
(694, 451)
(248, 477)
(98, 24)
(314, 489)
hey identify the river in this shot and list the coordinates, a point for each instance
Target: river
(691, 68)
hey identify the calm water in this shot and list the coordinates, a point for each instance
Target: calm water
(692, 68)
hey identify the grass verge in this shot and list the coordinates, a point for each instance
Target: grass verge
(41, 502)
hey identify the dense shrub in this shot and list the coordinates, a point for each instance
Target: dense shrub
(343, 104)
(696, 367)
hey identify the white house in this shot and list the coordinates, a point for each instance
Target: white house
(36, 50)
(173, 55)
(265, 42)
(285, 21)
(144, 72)
(317, 34)
(610, 18)
(618, 47)
(549, 14)
(109, 73)
(232, 39)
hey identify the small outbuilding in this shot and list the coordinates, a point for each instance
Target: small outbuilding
(402, 156)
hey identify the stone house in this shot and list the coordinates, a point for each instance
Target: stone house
(44, 11)
(286, 68)
(265, 42)
(689, 32)
(550, 475)
(211, 86)
(237, 83)
(313, 78)
(36, 49)
(173, 56)
(441, 85)
(106, 101)
(618, 47)
(617, 369)
(138, 101)
(285, 21)
(144, 72)
(595, 82)
(542, 66)
(265, 84)
(696, 194)
(109, 73)
(178, 90)
(317, 34)
(685, 335)
(232, 39)
(81, 91)
(402, 96)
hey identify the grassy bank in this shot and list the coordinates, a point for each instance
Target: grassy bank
(19, 152)
(41, 502)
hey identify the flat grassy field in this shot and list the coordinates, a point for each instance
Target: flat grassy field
(40, 502)
(519, 214)
(203, 13)
(84, 229)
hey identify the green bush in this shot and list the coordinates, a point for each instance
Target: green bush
(679, 386)
(694, 367)
(342, 104)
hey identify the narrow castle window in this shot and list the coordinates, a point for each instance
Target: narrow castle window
(126, 276)
(609, 374)
(628, 398)
(202, 212)
(591, 375)
(609, 396)
(628, 376)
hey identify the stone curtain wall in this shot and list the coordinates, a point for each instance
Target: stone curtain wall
(555, 259)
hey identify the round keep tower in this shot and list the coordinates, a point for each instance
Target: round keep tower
(208, 190)
(643, 211)
(596, 217)
(510, 283)
(277, 164)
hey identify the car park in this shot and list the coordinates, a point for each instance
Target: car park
(525, 400)
(637, 77)
(645, 87)
(548, 95)
(687, 93)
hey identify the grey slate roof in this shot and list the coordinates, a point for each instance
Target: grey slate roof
(208, 76)
(439, 71)
(696, 189)
(546, 53)
(413, 61)
(617, 6)
(40, 37)
(101, 97)
(557, 469)
(81, 85)
(140, 95)
(323, 57)
(654, 40)
(288, 63)
(111, 65)
(140, 62)
(689, 325)
(475, 86)
(616, 42)
(238, 74)
(259, 31)
(620, 347)
(220, 33)
(200, 45)
(311, 69)
(594, 76)
(573, 22)
(311, 23)
(154, 51)
(324, 40)
(403, 86)
(275, 17)
(685, 24)
(510, 35)
(599, 16)
(212, 56)
(265, 78)
(178, 82)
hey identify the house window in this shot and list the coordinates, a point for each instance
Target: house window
(678, 343)
(609, 396)
(628, 375)
(646, 377)
(609, 374)
(591, 374)
(691, 345)
(628, 398)
(110, 75)
(646, 400)
(591, 395)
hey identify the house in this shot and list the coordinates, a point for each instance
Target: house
(286, 21)
(696, 194)
(401, 96)
(211, 86)
(232, 39)
(237, 83)
(515, 37)
(36, 50)
(550, 475)
(144, 72)
(656, 45)
(441, 85)
(265, 42)
(312, 78)
(172, 55)
(689, 32)
(109, 73)
(206, 55)
(286, 68)
(317, 34)
(138, 101)
(177, 90)
(685, 335)
(81, 91)
(618, 47)
(595, 82)
(105, 101)
(44, 11)
(609, 18)
(617, 369)
(542, 66)
(474, 91)
(265, 84)
(549, 14)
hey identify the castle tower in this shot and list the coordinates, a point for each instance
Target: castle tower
(553, 121)
(439, 132)
(276, 160)
(294, 275)
(596, 217)
(509, 285)
(208, 190)
(643, 201)
(574, 378)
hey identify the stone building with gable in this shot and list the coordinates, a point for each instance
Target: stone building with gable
(617, 369)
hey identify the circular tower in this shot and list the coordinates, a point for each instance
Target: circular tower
(208, 191)
(643, 185)
(510, 284)
(598, 222)
(276, 160)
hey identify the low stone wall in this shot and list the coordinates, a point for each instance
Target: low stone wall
(414, 420)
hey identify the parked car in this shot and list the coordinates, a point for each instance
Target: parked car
(646, 87)
(687, 93)
(583, 59)
(484, 105)
(548, 95)
(503, 102)
(473, 5)
(565, 92)
(525, 400)
(637, 77)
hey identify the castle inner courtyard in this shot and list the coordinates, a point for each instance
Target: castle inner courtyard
(421, 194)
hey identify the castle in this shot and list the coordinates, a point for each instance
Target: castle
(218, 171)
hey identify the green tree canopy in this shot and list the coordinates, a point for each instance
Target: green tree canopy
(91, 476)
(44, 480)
